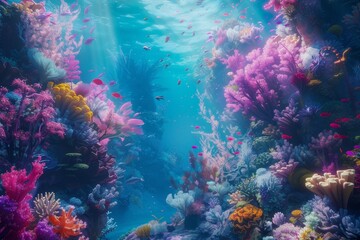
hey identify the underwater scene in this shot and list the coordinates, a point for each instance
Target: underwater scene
(180, 119)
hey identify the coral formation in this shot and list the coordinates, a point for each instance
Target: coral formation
(246, 217)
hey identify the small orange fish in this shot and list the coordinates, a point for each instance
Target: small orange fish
(116, 95)
(98, 81)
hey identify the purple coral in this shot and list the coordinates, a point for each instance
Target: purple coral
(279, 219)
(282, 169)
(260, 84)
(44, 231)
(286, 231)
(324, 146)
(279, 4)
(288, 119)
(102, 198)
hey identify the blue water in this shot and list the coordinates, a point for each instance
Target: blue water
(176, 93)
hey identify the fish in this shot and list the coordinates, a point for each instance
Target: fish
(345, 100)
(92, 30)
(179, 82)
(200, 154)
(89, 41)
(350, 153)
(134, 180)
(230, 139)
(334, 125)
(112, 83)
(167, 38)
(358, 116)
(286, 137)
(189, 27)
(236, 153)
(198, 81)
(74, 154)
(226, 14)
(100, 75)
(72, 36)
(181, 21)
(81, 166)
(338, 75)
(145, 18)
(242, 17)
(85, 20)
(197, 127)
(86, 10)
(325, 114)
(159, 98)
(335, 29)
(239, 142)
(345, 119)
(339, 136)
(193, 34)
(314, 82)
(44, 16)
(238, 133)
(194, 147)
(98, 81)
(146, 48)
(116, 95)
(343, 57)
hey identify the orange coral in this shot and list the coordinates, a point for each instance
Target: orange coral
(66, 225)
(245, 218)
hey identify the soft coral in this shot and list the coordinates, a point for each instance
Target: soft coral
(66, 225)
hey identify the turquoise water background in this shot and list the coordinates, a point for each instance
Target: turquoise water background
(128, 26)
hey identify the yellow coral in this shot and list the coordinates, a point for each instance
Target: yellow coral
(245, 218)
(309, 234)
(69, 103)
(143, 231)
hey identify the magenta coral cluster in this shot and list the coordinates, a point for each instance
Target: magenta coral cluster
(27, 119)
(262, 81)
(15, 212)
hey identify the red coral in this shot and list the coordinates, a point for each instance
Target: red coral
(67, 225)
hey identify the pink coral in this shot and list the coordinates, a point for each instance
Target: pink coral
(282, 169)
(262, 80)
(26, 123)
(279, 4)
(18, 184)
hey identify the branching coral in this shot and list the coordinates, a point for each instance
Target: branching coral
(102, 198)
(26, 119)
(15, 212)
(282, 169)
(181, 201)
(245, 218)
(46, 205)
(338, 188)
(259, 85)
(66, 225)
